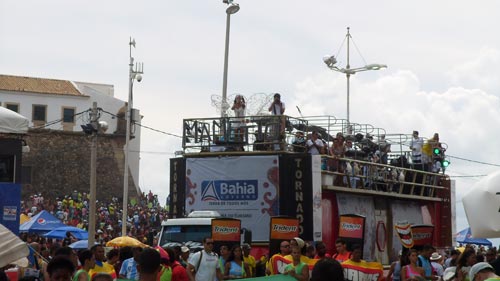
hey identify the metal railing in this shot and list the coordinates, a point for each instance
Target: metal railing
(285, 134)
(249, 133)
(348, 174)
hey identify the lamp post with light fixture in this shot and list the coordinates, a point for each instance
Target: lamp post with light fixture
(330, 62)
(232, 8)
(135, 72)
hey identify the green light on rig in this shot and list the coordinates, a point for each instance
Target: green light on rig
(445, 163)
(437, 151)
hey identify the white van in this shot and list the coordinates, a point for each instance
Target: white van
(188, 231)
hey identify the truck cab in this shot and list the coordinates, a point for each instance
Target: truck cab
(187, 231)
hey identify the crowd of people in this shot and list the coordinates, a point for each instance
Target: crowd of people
(144, 215)
(367, 172)
(236, 262)
(469, 264)
(56, 261)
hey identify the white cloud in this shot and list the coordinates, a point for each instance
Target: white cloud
(482, 72)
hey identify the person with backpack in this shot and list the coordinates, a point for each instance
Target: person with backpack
(202, 265)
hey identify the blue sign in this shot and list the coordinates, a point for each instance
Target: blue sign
(229, 190)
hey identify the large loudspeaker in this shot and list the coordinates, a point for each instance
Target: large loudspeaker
(177, 195)
(296, 192)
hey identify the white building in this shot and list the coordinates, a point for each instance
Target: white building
(64, 105)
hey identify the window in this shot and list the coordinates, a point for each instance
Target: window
(12, 106)
(39, 113)
(68, 115)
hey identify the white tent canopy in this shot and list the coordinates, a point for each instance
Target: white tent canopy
(12, 122)
(11, 247)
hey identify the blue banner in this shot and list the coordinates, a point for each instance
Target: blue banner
(10, 206)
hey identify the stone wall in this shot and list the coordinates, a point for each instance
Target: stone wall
(59, 163)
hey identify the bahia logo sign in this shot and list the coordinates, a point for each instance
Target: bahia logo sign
(231, 190)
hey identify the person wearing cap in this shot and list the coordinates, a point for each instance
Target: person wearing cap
(297, 241)
(184, 256)
(249, 259)
(482, 271)
(437, 264)
(297, 269)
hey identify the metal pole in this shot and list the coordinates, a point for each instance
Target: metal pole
(127, 139)
(226, 56)
(348, 75)
(93, 164)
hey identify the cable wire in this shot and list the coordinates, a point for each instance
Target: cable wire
(143, 126)
(359, 52)
(470, 176)
(57, 120)
(473, 161)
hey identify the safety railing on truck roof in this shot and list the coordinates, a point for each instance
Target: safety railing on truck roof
(285, 134)
(399, 179)
(274, 133)
(249, 133)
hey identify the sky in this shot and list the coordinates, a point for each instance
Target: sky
(443, 62)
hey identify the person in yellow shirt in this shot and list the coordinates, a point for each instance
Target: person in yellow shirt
(249, 259)
(284, 250)
(299, 243)
(100, 264)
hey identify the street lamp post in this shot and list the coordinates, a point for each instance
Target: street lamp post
(93, 181)
(330, 62)
(135, 72)
(231, 9)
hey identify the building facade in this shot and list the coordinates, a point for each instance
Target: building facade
(59, 158)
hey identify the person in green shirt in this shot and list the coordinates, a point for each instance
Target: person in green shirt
(297, 269)
(87, 261)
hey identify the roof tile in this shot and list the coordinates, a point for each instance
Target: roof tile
(38, 85)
